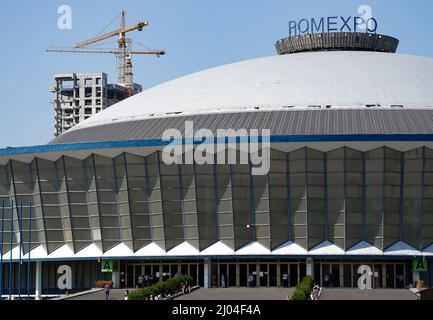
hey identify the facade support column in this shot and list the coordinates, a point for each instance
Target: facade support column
(257, 275)
(238, 282)
(161, 278)
(38, 281)
(207, 273)
(310, 267)
(278, 275)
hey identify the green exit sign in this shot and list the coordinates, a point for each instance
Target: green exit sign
(419, 265)
(109, 266)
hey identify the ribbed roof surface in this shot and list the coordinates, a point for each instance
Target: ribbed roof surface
(259, 93)
(339, 79)
(290, 122)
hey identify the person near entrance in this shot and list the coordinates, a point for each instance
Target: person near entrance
(140, 281)
(250, 280)
(326, 280)
(214, 280)
(223, 281)
(400, 281)
(285, 280)
(107, 291)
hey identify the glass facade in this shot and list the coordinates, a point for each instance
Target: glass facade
(343, 196)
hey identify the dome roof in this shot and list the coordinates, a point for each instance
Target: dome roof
(336, 79)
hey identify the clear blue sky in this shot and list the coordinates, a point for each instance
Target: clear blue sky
(196, 35)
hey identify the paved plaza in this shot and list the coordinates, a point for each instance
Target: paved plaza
(375, 294)
(268, 294)
(238, 294)
(115, 294)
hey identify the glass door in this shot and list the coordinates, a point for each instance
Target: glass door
(223, 276)
(137, 274)
(390, 276)
(347, 275)
(174, 270)
(252, 275)
(377, 276)
(232, 275)
(165, 272)
(243, 275)
(399, 274)
(284, 274)
(193, 272)
(147, 273)
(214, 275)
(326, 275)
(184, 269)
(263, 275)
(155, 272)
(356, 275)
(272, 275)
(130, 276)
(334, 280)
(293, 275)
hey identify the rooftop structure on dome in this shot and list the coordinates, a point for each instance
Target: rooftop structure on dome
(337, 41)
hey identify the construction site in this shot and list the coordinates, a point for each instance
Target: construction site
(78, 96)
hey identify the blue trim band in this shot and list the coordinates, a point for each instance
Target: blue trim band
(160, 142)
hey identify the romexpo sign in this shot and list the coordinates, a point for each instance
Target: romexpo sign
(332, 24)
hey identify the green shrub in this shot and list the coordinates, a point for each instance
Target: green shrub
(171, 286)
(303, 289)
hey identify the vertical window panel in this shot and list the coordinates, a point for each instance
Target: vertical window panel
(139, 200)
(354, 201)
(298, 196)
(427, 205)
(317, 211)
(335, 196)
(80, 217)
(278, 199)
(106, 206)
(242, 204)
(412, 197)
(45, 173)
(207, 205)
(392, 185)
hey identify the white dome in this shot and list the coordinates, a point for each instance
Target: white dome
(337, 78)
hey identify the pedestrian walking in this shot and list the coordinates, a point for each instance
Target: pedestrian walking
(107, 291)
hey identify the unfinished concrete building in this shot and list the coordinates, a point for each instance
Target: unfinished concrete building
(80, 95)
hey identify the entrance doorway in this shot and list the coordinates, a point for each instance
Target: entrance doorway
(383, 274)
(272, 273)
(154, 272)
(330, 275)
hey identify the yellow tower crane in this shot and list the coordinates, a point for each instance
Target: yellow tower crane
(123, 51)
